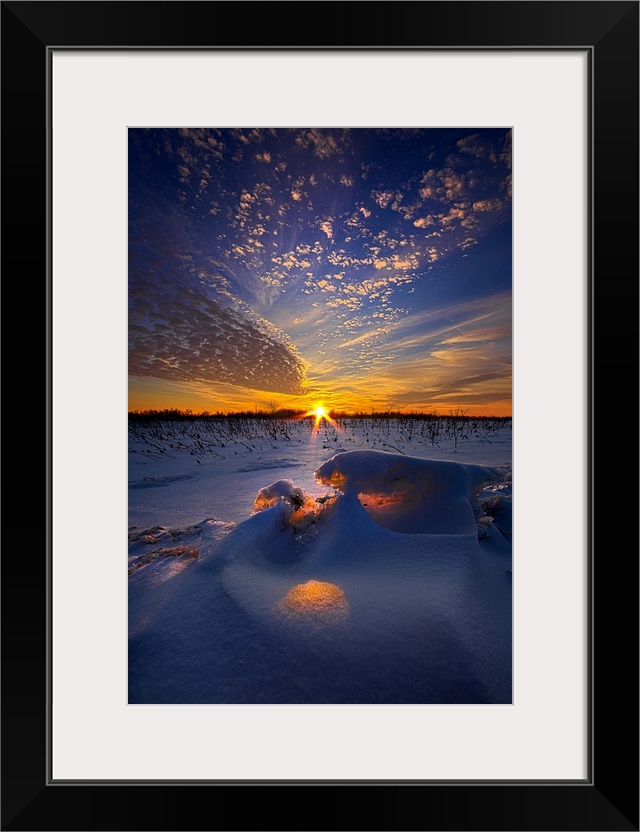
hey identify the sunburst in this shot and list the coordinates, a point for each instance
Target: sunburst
(320, 413)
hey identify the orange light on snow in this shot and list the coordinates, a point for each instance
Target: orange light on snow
(323, 601)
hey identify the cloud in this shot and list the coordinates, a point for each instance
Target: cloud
(386, 198)
(444, 185)
(397, 262)
(453, 215)
(187, 321)
(189, 337)
(474, 146)
(323, 143)
(483, 205)
(327, 227)
(249, 136)
(382, 198)
(505, 154)
(484, 318)
(372, 334)
(349, 302)
(424, 222)
(291, 260)
(197, 144)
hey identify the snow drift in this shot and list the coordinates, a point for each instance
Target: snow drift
(388, 588)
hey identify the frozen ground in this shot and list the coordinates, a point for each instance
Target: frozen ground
(368, 564)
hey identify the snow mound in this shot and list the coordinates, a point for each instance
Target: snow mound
(498, 508)
(407, 494)
(165, 552)
(279, 490)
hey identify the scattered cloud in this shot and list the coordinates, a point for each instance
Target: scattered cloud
(443, 185)
(323, 143)
(476, 147)
(236, 231)
(327, 227)
(487, 205)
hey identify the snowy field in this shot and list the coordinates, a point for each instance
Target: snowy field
(368, 561)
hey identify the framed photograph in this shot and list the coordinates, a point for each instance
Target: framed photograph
(140, 147)
(320, 419)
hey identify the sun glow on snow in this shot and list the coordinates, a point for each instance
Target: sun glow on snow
(323, 601)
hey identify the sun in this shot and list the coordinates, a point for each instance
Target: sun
(320, 414)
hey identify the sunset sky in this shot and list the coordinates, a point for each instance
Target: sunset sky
(360, 269)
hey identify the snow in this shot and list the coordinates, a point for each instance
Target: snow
(368, 577)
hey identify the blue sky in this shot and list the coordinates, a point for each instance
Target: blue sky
(362, 268)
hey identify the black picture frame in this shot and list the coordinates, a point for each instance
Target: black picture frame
(608, 798)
